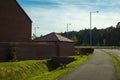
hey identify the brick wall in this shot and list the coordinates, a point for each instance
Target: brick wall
(15, 25)
(66, 49)
(35, 51)
(3, 52)
(30, 51)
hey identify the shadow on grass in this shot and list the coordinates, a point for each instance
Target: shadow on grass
(61, 62)
(51, 65)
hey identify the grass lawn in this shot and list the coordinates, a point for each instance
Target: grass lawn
(35, 69)
(116, 63)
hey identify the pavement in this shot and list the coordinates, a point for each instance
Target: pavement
(115, 52)
(99, 67)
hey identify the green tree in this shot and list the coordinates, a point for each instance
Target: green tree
(118, 25)
(107, 37)
(34, 36)
(74, 38)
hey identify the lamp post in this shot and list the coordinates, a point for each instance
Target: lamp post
(35, 30)
(91, 26)
(67, 29)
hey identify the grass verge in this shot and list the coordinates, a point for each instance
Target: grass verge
(35, 69)
(53, 75)
(116, 63)
(22, 70)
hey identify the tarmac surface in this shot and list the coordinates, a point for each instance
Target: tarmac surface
(115, 52)
(99, 67)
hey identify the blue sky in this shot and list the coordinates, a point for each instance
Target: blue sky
(54, 15)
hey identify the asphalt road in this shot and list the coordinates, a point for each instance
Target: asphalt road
(99, 67)
(115, 52)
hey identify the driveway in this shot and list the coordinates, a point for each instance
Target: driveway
(99, 67)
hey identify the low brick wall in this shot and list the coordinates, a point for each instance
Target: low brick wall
(29, 51)
(3, 52)
(66, 49)
(34, 50)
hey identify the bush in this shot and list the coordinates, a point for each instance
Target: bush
(12, 52)
(84, 51)
(61, 61)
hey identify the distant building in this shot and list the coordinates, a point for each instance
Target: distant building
(65, 46)
(15, 25)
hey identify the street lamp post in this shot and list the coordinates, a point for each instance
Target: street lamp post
(35, 30)
(67, 29)
(91, 26)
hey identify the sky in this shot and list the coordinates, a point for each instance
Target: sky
(53, 15)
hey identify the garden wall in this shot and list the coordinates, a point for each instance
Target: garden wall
(66, 49)
(34, 50)
(28, 51)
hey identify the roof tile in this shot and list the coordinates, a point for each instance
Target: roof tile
(53, 37)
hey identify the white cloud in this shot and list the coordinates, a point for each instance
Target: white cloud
(56, 19)
(103, 20)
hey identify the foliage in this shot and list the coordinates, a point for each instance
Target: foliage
(34, 36)
(35, 69)
(12, 52)
(74, 38)
(83, 51)
(61, 61)
(118, 25)
(100, 37)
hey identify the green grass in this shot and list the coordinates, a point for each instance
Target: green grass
(22, 70)
(116, 63)
(53, 75)
(35, 69)
(99, 47)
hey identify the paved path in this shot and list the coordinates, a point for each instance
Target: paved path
(99, 67)
(115, 52)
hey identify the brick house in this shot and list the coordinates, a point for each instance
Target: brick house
(65, 46)
(15, 25)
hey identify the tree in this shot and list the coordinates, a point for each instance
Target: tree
(74, 38)
(34, 36)
(118, 25)
(107, 37)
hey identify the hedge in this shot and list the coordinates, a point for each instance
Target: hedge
(84, 51)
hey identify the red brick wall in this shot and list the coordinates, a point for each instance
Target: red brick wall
(63, 48)
(35, 51)
(29, 51)
(3, 52)
(15, 26)
(66, 49)
(26, 52)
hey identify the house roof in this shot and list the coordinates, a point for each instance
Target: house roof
(53, 37)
